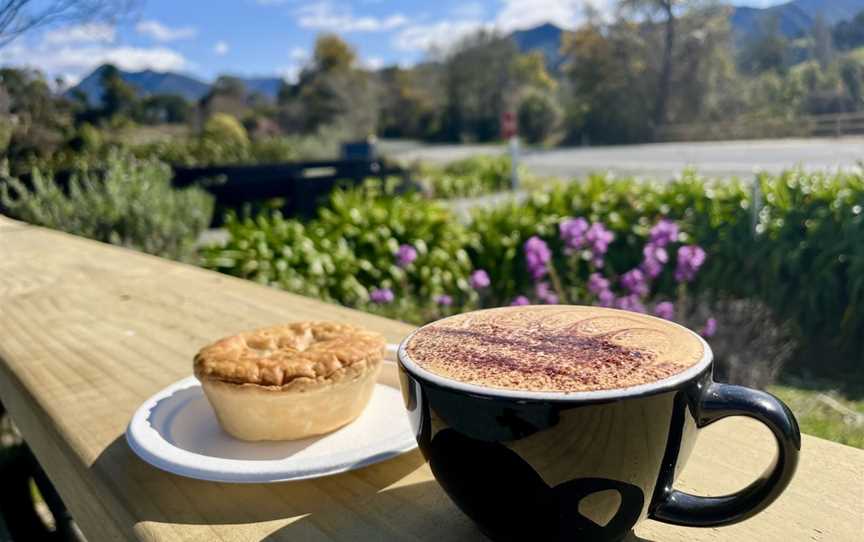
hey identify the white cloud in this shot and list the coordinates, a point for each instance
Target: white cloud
(160, 32)
(81, 33)
(291, 72)
(298, 53)
(73, 62)
(520, 14)
(424, 37)
(221, 48)
(372, 63)
(324, 16)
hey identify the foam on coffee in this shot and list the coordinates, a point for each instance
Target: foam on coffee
(554, 348)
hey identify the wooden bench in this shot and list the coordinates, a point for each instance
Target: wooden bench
(88, 331)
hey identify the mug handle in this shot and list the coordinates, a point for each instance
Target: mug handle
(720, 401)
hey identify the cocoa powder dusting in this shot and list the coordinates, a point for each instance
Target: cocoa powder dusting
(544, 349)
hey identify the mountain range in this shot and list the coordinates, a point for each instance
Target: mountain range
(793, 19)
(149, 82)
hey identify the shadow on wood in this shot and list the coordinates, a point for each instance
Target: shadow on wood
(176, 499)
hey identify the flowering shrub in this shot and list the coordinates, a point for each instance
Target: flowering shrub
(585, 246)
(804, 265)
(398, 256)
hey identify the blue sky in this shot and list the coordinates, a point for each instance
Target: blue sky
(274, 37)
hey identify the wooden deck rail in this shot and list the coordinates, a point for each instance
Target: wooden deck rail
(88, 331)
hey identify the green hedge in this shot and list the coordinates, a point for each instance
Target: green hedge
(805, 260)
(348, 251)
(469, 177)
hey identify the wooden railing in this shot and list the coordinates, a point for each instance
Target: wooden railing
(88, 331)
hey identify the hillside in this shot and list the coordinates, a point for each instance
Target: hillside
(794, 19)
(149, 82)
(545, 38)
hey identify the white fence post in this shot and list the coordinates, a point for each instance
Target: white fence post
(514, 162)
(757, 203)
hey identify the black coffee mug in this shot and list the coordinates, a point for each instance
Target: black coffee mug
(587, 465)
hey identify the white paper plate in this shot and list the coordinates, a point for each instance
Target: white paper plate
(176, 430)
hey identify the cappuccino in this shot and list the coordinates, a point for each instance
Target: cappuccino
(557, 348)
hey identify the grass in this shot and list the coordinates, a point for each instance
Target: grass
(827, 414)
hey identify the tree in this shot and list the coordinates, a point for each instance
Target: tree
(119, 98)
(768, 51)
(164, 108)
(331, 92)
(852, 73)
(609, 83)
(849, 34)
(666, 10)
(823, 48)
(479, 85)
(40, 119)
(229, 86)
(332, 54)
(411, 102)
(539, 117)
(21, 16)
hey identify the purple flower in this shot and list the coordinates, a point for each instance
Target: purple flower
(573, 232)
(381, 295)
(444, 300)
(654, 258)
(537, 256)
(605, 298)
(635, 282)
(598, 238)
(545, 293)
(405, 255)
(597, 283)
(710, 328)
(690, 259)
(479, 279)
(630, 303)
(665, 310)
(663, 233)
(519, 301)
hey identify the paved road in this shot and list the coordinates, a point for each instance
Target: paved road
(661, 160)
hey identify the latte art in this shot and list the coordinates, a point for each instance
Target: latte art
(554, 348)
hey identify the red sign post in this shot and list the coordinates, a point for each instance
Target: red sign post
(508, 125)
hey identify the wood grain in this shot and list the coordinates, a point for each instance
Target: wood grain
(88, 331)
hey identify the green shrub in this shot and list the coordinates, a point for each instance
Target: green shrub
(806, 263)
(470, 177)
(626, 206)
(349, 250)
(126, 202)
(88, 139)
(539, 117)
(209, 152)
(223, 128)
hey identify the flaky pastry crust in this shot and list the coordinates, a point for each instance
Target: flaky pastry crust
(296, 356)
